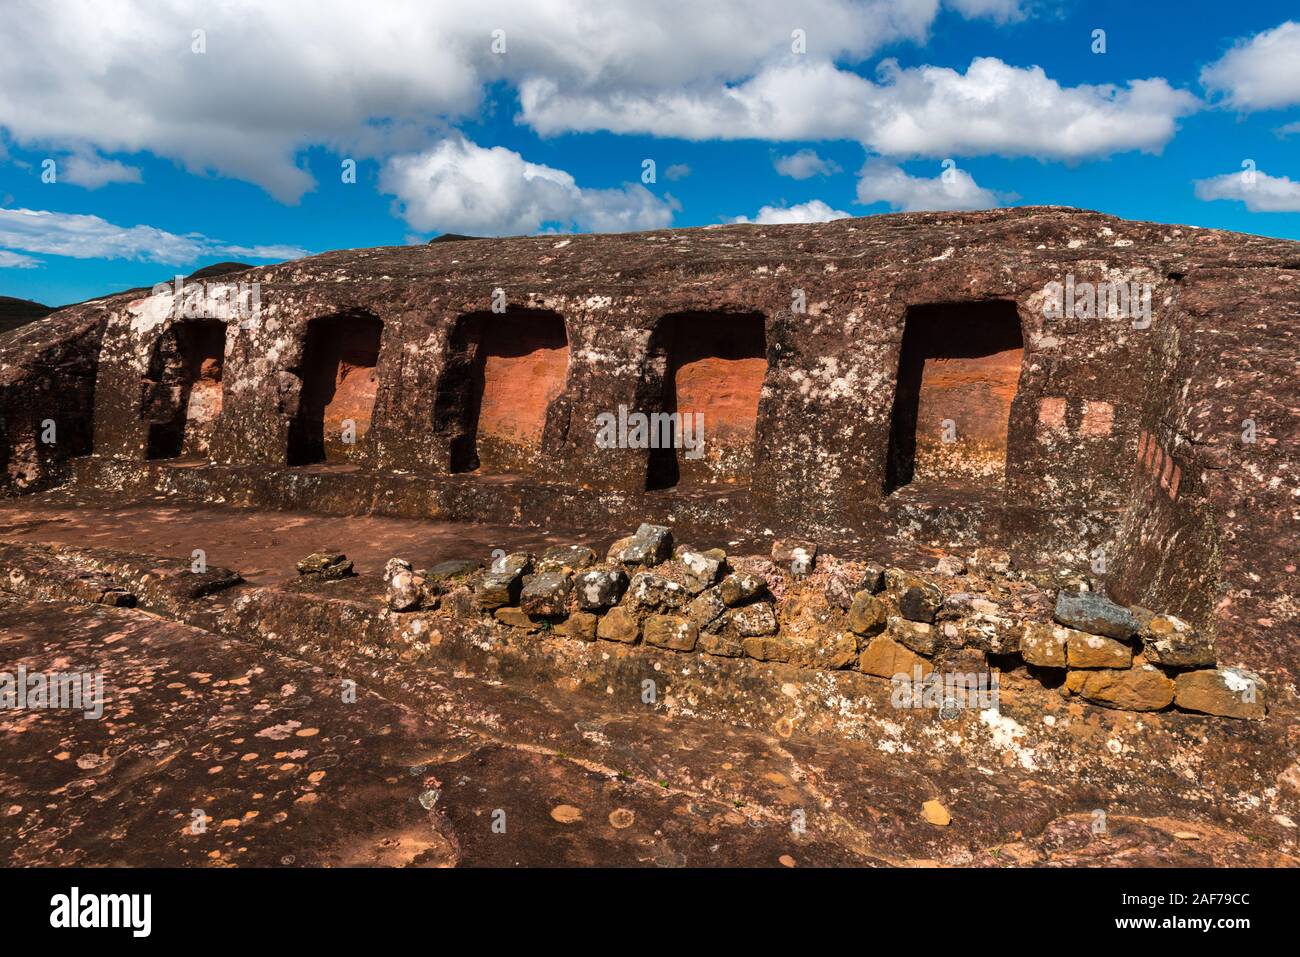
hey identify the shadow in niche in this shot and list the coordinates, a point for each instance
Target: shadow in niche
(504, 371)
(958, 372)
(339, 373)
(714, 364)
(183, 388)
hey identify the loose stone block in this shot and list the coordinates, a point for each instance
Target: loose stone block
(701, 569)
(1172, 642)
(648, 592)
(560, 557)
(1095, 651)
(546, 594)
(496, 589)
(707, 608)
(675, 632)
(619, 625)
(739, 588)
(885, 658)
(919, 600)
(1044, 645)
(796, 557)
(1134, 689)
(580, 625)
(767, 648)
(650, 545)
(752, 621)
(1226, 692)
(916, 635)
(600, 588)
(867, 614)
(1095, 614)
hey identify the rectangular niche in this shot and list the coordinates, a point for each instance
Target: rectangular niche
(183, 389)
(714, 364)
(957, 375)
(505, 371)
(339, 373)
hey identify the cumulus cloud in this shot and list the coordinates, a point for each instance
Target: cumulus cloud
(10, 260)
(460, 187)
(953, 189)
(83, 236)
(804, 165)
(992, 108)
(1260, 192)
(813, 211)
(93, 171)
(677, 171)
(999, 11)
(1259, 73)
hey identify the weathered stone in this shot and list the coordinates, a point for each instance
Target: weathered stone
(1226, 692)
(520, 563)
(950, 566)
(867, 614)
(742, 587)
(619, 625)
(405, 590)
(580, 625)
(767, 648)
(885, 658)
(1172, 642)
(600, 588)
(1043, 644)
(546, 594)
(670, 631)
(1095, 651)
(1095, 614)
(706, 608)
(495, 589)
(989, 561)
(995, 634)
(515, 618)
(916, 635)
(1143, 688)
(393, 566)
(649, 592)
(614, 555)
(327, 565)
(752, 621)
(118, 598)
(796, 557)
(559, 557)
(918, 600)
(720, 644)
(701, 570)
(649, 545)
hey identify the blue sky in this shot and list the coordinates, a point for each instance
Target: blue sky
(168, 158)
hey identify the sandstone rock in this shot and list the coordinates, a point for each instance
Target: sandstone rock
(670, 631)
(600, 588)
(1043, 644)
(707, 608)
(520, 563)
(867, 614)
(560, 557)
(721, 644)
(752, 621)
(1172, 642)
(496, 589)
(328, 565)
(619, 625)
(990, 561)
(918, 600)
(393, 566)
(117, 598)
(546, 594)
(649, 545)
(580, 625)
(1094, 651)
(950, 566)
(796, 557)
(1143, 688)
(936, 814)
(614, 555)
(916, 635)
(995, 634)
(885, 658)
(701, 570)
(1226, 692)
(1095, 614)
(739, 588)
(405, 590)
(515, 618)
(649, 592)
(846, 580)
(767, 648)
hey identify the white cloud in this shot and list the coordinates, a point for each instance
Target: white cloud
(805, 164)
(813, 211)
(1260, 192)
(1260, 73)
(953, 189)
(1290, 129)
(677, 171)
(10, 260)
(992, 108)
(90, 237)
(460, 187)
(999, 11)
(93, 171)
